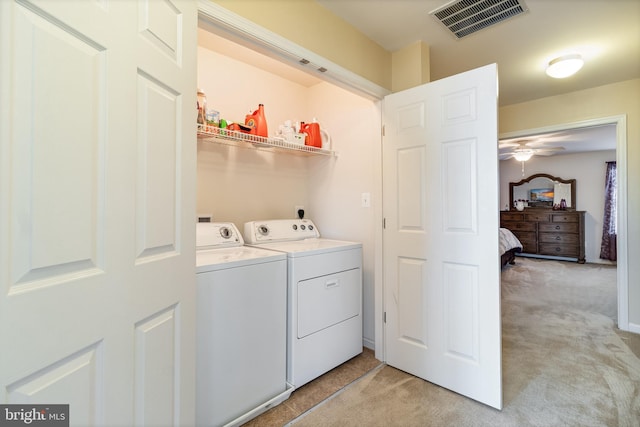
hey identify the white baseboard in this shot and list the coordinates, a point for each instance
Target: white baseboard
(369, 343)
(635, 328)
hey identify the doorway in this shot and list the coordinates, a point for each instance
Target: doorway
(621, 158)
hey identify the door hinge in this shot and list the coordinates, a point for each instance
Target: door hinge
(382, 130)
(384, 317)
(384, 223)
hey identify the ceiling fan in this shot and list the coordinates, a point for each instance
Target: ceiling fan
(523, 149)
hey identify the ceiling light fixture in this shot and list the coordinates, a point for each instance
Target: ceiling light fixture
(565, 66)
(523, 155)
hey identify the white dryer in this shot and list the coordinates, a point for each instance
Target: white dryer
(241, 327)
(324, 305)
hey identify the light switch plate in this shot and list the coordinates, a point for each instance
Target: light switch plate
(366, 200)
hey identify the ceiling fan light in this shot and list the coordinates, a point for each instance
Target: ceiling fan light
(523, 156)
(564, 66)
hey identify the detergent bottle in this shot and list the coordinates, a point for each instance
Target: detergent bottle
(314, 138)
(257, 122)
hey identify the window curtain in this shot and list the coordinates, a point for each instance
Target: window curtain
(609, 230)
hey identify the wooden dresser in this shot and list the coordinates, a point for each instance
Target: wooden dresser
(546, 232)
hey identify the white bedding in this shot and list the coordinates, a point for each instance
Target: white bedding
(508, 241)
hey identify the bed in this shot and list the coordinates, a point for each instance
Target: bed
(509, 247)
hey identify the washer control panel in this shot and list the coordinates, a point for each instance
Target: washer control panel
(279, 230)
(211, 235)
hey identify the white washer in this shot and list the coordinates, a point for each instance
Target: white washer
(241, 327)
(324, 305)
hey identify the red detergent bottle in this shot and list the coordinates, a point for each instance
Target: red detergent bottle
(257, 122)
(314, 138)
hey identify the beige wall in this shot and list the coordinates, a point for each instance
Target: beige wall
(310, 25)
(240, 184)
(245, 184)
(605, 101)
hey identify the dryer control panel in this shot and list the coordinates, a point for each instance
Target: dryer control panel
(279, 230)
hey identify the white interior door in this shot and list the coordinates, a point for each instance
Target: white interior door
(97, 205)
(441, 264)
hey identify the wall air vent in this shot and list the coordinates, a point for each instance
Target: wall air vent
(465, 17)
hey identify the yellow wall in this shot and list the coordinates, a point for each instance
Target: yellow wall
(410, 67)
(621, 98)
(310, 25)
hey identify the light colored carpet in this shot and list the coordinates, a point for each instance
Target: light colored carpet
(564, 364)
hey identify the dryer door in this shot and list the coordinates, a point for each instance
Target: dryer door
(327, 300)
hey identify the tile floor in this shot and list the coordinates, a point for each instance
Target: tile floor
(314, 392)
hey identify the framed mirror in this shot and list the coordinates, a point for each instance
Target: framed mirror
(543, 191)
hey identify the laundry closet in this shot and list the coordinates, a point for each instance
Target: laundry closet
(244, 182)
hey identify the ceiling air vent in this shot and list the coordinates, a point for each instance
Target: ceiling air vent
(465, 17)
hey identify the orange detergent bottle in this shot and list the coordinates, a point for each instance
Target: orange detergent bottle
(314, 138)
(257, 122)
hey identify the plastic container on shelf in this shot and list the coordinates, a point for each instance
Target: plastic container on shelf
(213, 117)
(202, 107)
(314, 138)
(257, 122)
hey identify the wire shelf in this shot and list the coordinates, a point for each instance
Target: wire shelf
(241, 139)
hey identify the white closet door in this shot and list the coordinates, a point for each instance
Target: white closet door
(97, 202)
(441, 262)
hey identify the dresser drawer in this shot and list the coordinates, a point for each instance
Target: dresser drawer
(564, 218)
(566, 227)
(559, 238)
(519, 226)
(511, 216)
(528, 240)
(537, 217)
(571, 251)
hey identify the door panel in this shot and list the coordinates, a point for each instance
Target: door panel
(410, 297)
(43, 131)
(459, 187)
(441, 266)
(97, 200)
(411, 191)
(81, 371)
(156, 347)
(156, 192)
(461, 311)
